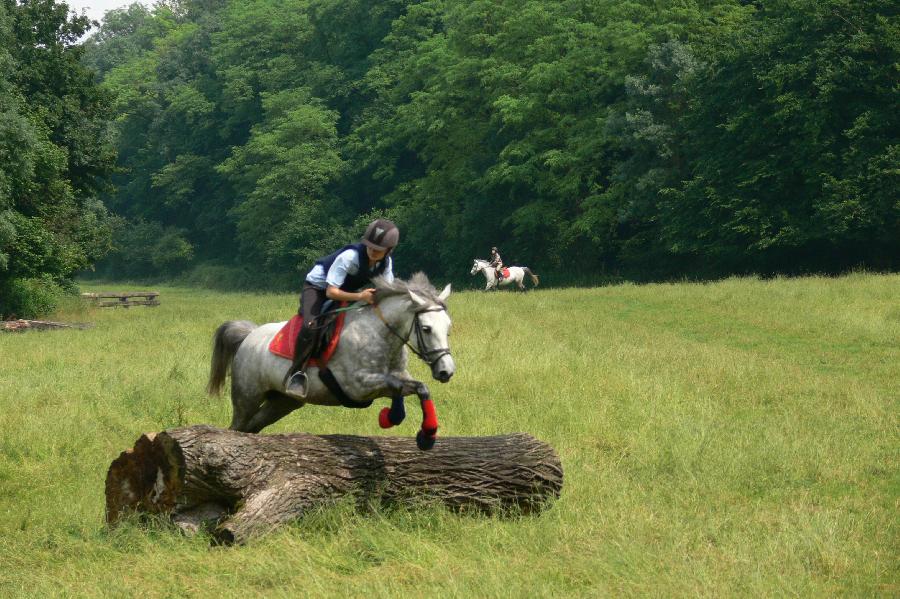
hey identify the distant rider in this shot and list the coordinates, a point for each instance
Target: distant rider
(345, 275)
(497, 263)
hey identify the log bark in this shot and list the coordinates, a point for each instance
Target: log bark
(242, 485)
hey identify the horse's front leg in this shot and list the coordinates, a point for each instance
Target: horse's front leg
(394, 415)
(399, 388)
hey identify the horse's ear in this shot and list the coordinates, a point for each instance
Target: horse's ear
(418, 299)
(445, 293)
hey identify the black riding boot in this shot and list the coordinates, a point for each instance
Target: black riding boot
(297, 383)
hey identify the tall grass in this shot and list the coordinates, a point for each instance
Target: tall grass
(731, 438)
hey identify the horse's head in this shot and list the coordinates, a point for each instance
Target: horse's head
(416, 304)
(432, 333)
(476, 266)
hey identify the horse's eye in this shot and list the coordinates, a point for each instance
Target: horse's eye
(426, 330)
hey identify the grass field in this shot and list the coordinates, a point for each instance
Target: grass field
(738, 438)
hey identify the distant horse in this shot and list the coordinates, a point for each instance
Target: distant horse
(516, 275)
(370, 360)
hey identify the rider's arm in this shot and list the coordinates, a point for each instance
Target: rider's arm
(336, 293)
(337, 274)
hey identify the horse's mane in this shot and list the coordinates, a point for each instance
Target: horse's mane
(418, 284)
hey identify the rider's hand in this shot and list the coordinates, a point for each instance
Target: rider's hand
(367, 295)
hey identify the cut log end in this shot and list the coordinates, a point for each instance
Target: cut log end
(146, 478)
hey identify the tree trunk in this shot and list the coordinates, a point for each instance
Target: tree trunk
(246, 484)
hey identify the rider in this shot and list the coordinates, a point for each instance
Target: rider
(497, 263)
(344, 275)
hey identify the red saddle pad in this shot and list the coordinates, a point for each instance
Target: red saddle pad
(284, 341)
(505, 272)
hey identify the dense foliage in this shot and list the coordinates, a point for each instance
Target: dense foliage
(585, 138)
(600, 136)
(53, 159)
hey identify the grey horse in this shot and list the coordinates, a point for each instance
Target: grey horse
(370, 360)
(516, 275)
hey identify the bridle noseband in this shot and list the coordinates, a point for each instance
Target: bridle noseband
(424, 355)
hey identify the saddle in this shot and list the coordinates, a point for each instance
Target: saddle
(283, 344)
(504, 273)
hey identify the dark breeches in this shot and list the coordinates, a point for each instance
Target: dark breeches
(311, 300)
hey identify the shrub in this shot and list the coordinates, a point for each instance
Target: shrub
(146, 249)
(30, 298)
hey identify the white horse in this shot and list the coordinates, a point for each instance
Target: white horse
(370, 360)
(516, 275)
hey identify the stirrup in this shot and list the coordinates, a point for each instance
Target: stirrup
(298, 385)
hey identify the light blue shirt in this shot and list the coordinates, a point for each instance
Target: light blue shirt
(346, 263)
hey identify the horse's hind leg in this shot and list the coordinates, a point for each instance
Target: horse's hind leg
(244, 405)
(276, 406)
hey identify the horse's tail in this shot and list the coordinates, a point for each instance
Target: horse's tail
(534, 278)
(226, 340)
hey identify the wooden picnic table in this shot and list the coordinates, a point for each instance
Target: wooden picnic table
(125, 299)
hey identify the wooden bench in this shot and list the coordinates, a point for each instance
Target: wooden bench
(110, 299)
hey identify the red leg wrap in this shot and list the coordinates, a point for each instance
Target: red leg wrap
(429, 417)
(384, 418)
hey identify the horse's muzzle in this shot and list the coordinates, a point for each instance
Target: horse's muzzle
(443, 369)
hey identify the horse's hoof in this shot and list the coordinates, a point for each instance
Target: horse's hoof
(425, 442)
(384, 418)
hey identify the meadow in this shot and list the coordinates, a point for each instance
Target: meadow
(735, 438)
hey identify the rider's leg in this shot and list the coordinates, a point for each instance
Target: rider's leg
(311, 301)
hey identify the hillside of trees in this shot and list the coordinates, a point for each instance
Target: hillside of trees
(586, 138)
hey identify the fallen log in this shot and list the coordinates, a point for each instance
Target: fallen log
(20, 325)
(240, 485)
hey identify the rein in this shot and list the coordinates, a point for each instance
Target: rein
(420, 340)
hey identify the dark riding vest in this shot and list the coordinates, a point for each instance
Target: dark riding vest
(364, 275)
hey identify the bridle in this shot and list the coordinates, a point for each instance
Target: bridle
(424, 354)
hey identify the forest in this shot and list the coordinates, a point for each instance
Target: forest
(231, 142)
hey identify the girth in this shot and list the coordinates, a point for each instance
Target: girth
(327, 377)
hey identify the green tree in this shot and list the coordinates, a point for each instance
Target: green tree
(793, 142)
(53, 156)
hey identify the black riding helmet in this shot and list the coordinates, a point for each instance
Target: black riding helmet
(382, 235)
